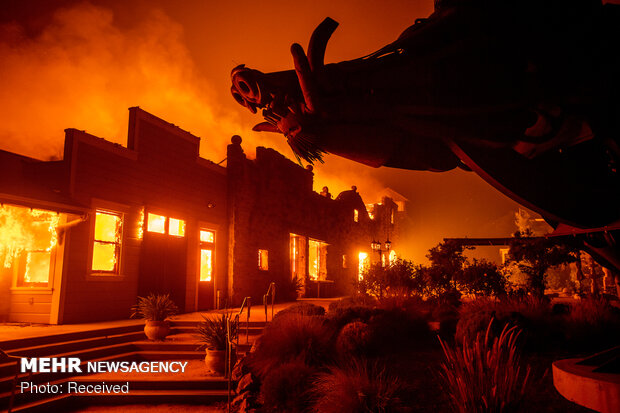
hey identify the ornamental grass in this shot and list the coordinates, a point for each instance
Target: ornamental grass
(486, 374)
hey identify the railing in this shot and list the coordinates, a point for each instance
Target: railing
(271, 291)
(247, 302)
(229, 348)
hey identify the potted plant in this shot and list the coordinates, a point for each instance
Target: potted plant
(212, 333)
(155, 309)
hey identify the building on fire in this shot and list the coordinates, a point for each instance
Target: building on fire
(82, 237)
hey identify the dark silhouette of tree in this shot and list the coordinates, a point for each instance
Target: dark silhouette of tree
(535, 255)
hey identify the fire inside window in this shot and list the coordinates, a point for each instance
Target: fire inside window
(27, 243)
(356, 215)
(107, 242)
(263, 260)
(317, 255)
(363, 265)
(176, 227)
(207, 245)
(156, 223)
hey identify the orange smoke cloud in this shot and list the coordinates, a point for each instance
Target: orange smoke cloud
(82, 71)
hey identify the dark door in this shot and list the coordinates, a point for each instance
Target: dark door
(163, 266)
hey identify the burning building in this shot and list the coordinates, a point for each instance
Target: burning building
(82, 237)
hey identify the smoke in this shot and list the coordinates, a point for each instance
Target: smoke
(83, 72)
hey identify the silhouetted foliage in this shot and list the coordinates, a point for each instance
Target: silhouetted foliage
(535, 256)
(286, 388)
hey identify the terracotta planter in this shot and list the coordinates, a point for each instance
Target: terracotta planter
(215, 360)
(156, 330)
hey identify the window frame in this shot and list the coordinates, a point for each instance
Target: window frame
(125, 212)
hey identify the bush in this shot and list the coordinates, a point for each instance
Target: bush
(531, 314)
(293, 337)
(306, 309)
(486, 374)
(394, 331)
(592, 324)
(286, 387)
(342, 315)
(353, 340)
(357, 389)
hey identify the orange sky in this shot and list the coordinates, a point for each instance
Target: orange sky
(82, 64)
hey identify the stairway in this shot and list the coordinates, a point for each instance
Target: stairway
(128, 343)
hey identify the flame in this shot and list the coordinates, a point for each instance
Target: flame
(141, 224)
(29, 231)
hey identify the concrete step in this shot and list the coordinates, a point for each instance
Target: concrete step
(11, 345)
(194, 323)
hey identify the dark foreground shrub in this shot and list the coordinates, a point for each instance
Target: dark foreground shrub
(285, 388)
(532, 315)
(485, 374)
(592, 324)
(293, 337)
(303, 309)
(357, 388)
(397, 330)
(353, 340)
(341, 316)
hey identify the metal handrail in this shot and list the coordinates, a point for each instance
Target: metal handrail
(270, 291)
(247, 302)
(228, 368)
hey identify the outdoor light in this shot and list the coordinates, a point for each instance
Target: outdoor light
(388, 244)
(375, 245)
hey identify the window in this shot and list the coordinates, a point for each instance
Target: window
(176, 227)
(28, 241)
(356, 215)
(162, 225)
(207, 246)
(263, 260)
(363, 265)
(156, 223)
(207, 236)
(317, 254)
(107, 242)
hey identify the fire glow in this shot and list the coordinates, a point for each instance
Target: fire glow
(28, 236)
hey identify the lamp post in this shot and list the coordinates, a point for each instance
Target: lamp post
(376, 246)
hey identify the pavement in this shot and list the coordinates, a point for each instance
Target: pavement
(13, 331)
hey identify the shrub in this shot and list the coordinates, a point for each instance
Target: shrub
(357, 300)
(341, 316)
(286, 387)
(293, 337)
(486, 374)
(357, 389)
(592, 324)
(306, 309)
(531, 314)
(396, 331)
(353, 340)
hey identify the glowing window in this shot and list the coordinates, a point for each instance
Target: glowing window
(356, 215)
(317, 256)
(176, 227)
(207, 236)
(263, 260)
(156, 223)
(107, 242)
(393, 257)
(363, 265)
(206, 264)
